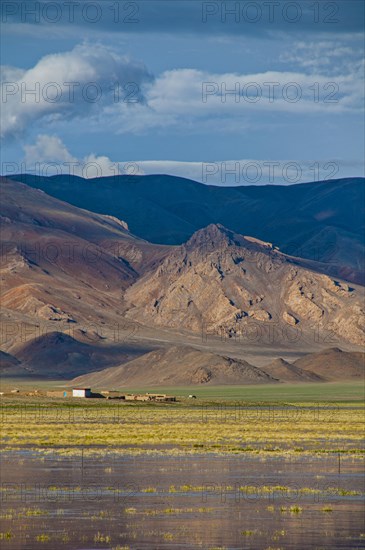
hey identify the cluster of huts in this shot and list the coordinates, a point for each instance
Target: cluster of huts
(108, 394)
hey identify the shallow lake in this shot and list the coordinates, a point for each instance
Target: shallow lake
(200, 501)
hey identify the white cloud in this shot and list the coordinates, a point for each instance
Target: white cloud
(49, 155)
(10, 74)
(47, 149)
(72, 84)
(193, 100)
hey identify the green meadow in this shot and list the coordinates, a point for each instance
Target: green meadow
(331, 391)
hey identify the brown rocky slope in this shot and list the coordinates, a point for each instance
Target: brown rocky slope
(178, 365)
(60, 265)
(223, 282)
(184, 366)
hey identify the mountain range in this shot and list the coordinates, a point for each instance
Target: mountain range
(81, 292)
(321, 221)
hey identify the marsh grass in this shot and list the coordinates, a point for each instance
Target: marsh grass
(295, 509)
(43, 537)
(278, 534)
(35, 512)
(184, 429)
(100, 537)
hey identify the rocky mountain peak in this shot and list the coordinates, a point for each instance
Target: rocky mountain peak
(210, 238)
(216, 237)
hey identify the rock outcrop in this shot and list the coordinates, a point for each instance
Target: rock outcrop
(220, 281)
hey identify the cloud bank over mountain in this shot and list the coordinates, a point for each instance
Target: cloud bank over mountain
(48, 155)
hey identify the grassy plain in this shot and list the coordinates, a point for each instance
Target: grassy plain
(329, 392)
(311, 418)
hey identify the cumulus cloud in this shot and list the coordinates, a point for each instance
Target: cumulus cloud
(47, 149)
(50, 156)
(77, 83)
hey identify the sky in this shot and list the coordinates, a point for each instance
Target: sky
(226, 93)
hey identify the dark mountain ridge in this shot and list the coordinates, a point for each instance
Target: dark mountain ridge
(321, 221)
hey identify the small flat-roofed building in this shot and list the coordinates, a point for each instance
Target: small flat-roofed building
(81, 392)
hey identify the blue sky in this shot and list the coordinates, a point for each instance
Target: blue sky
(222, 92)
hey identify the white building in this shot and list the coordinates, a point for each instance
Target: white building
(81, 392)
